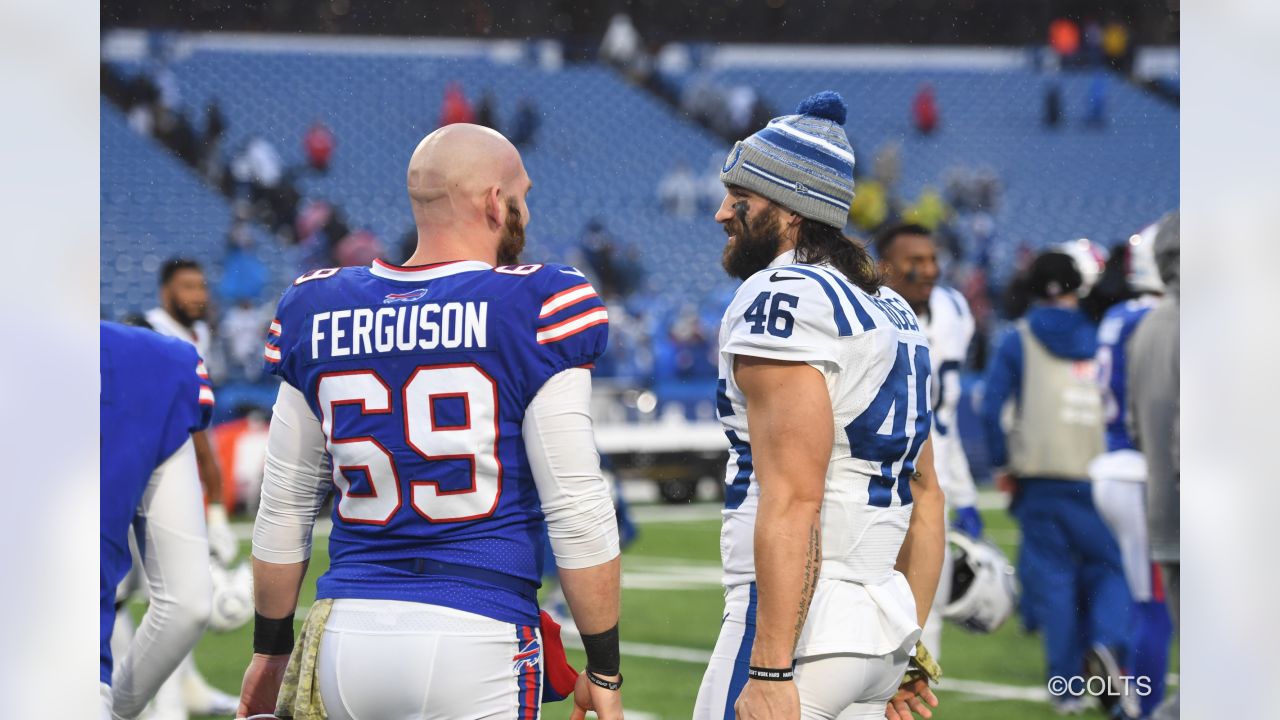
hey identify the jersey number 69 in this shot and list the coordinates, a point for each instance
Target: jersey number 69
(475, 440)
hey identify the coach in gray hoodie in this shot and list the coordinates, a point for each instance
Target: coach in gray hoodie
(1154, 406)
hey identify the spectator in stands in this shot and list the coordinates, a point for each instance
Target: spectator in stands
(1092, 37)
(870, 207)
(621, 46)
(691, 347)
(1053, 105)
(244, 280)
(929, 210)
(1115, 45)
(525, 126)
(1064, 37)
(215, 126)
(242, 329)
(258, 165)
(924, 110)
(456, 107)
(484, 111)
(1096, 112)
(318, 143)
(358, 248)
(678, 191)
(143, 95)
(244, 274)
(174, 131)
(599, 256)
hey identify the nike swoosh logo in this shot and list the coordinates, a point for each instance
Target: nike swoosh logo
(779, 278)
(573, 272)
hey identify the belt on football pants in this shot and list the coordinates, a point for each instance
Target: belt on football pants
(425, 566)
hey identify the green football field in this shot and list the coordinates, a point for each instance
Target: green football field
(672, 605)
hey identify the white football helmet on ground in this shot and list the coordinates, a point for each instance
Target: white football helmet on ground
(984, 587)
(232, 597)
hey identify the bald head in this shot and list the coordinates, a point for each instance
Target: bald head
(461, 159)
(462, 181)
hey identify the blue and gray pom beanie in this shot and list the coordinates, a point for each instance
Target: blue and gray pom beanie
(803, 162)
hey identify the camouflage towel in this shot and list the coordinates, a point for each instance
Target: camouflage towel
(300, 692)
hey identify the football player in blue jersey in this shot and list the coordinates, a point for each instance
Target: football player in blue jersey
(833, 529)
(1120, 474)
(445, 404)
(154, 396)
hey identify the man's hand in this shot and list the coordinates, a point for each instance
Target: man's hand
(768, 700)
(913, 695)
(223, 545)
(262, 685)
(968, 521)
(607, 704)
(1006, 483)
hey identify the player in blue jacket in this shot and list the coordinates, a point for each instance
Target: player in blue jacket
(1069, 563)
(445, 403)
(155, 393)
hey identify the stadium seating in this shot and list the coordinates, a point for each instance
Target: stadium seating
(604, 145)
(601, 150)
(154, 207)
(1076, 181)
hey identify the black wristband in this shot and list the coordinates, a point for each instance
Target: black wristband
(601, 682)
(771, 674)
(271, 636)
(603, 656)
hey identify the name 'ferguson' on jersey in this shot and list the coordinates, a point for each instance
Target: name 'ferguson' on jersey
(421, 378)
(875, 360)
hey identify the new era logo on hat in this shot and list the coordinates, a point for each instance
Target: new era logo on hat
(802, 162)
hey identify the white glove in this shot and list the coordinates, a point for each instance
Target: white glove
(223, 545)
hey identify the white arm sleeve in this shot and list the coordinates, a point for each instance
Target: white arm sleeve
(176, 558)
(561, 446)
(295, 481)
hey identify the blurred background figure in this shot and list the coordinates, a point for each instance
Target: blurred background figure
(318, 142)
(1073, 582)
(924, 110)
(1154, 418)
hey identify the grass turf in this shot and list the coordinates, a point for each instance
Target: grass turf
(690, 617)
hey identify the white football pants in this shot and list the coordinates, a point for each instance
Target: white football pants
(1120, 494)
(845, 685)
(392, 660)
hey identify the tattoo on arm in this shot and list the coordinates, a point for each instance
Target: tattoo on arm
(812, 564)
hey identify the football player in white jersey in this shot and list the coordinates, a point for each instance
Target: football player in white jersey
(909, 260)
(824, 396)
(184, 299)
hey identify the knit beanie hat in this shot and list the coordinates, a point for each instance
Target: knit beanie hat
(803, 162)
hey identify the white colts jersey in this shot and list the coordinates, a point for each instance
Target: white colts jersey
(198, 334)
(875, 360)
(949, 328)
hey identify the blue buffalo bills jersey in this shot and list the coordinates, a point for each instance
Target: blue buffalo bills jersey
(1114, 331)
(155, 393)
(420, 378)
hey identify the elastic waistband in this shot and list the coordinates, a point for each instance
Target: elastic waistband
(426, 566)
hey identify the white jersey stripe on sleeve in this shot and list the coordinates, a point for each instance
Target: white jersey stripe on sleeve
(206, 395)
(275, 327)
(562, 300)
(573, 325)
(272, 353)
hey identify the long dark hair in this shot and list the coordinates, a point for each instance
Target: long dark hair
(818, 242)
